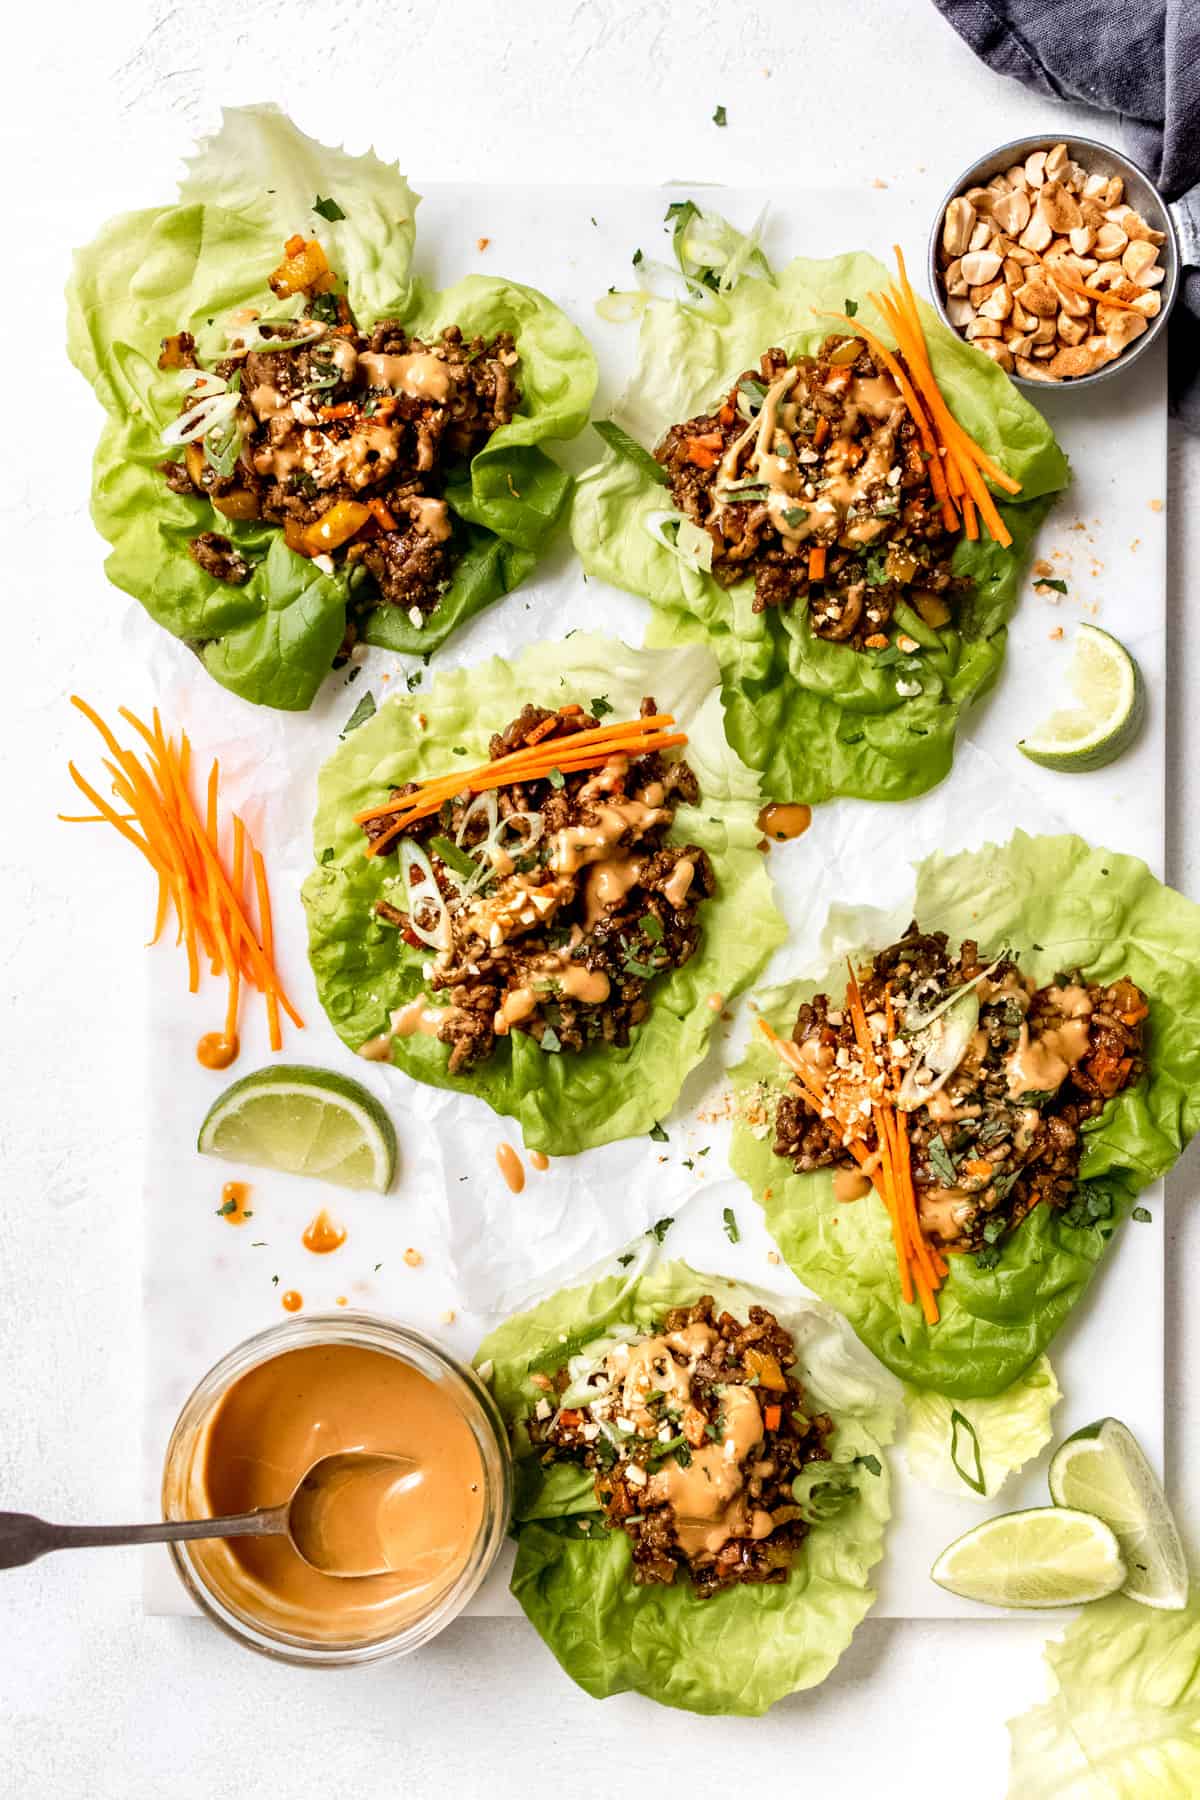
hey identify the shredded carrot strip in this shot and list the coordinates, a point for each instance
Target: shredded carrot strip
(582, 750)
(1101, 296)
(816, 563)
(183, 848)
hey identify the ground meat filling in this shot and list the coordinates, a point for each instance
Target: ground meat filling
(559, 902)
(819, 455)
(695, 1435)
(345, 441)
(1001, 1132)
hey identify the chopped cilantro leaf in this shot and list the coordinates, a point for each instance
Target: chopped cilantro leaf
(720, 117)
(328, 209)
(659, 1136)
(363, 711)
(731, 1225)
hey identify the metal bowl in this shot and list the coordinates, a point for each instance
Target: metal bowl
(1140, 193)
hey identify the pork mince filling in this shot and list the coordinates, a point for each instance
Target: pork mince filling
(548, 907)
(818, 455)
(996, 1075)
(340, 436)
(697, 1436)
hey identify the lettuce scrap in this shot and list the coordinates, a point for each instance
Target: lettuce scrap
(1124, 1722)
(565, 1102)
(971, 1447)
(1058, 904)
(745, 1648)
(185, 267)
(817, 718)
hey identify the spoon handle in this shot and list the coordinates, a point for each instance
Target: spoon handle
(24, 1537)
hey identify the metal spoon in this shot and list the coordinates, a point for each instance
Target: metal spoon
(305, 1519)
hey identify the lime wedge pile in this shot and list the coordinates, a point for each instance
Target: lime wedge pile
(1110, 1529)
(1110, 705)
(304, 1122)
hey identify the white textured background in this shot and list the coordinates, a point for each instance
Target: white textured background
(100, 102)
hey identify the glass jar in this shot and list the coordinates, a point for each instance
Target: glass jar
(183, 1485)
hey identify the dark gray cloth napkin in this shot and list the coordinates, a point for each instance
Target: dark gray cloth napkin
(1141, 60)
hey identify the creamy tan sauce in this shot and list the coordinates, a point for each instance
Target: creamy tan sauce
(350, 1519)
(266, 1432)
(606, 884)
(432, 517)
(706, 1497)
(415, 1018)
(849, 1185)
(575, 846)
(510, 1166)
(783, 820)
(323, 1234)
(943, 1211)
(1042, 1064)
(418, 374)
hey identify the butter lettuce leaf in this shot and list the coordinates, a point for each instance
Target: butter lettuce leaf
(1059, 904)
(187, 265)
(971, 1447)
(564, 1102)
(1124, 1721)
(816, 718)
(741, 1650)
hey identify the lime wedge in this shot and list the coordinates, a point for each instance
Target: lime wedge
(1111, 696)
(1048, 1556)
(304, 1122)
(1102, 1470)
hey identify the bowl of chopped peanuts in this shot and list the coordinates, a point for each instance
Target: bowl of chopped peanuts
(1059, 260)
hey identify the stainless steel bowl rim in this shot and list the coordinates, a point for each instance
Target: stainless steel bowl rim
(977, 173)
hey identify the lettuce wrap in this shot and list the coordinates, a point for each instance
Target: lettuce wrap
(180, 267)
(1059, 904)
(817, 718)
(745, 1647)
(364, 969)
(1124, 1719)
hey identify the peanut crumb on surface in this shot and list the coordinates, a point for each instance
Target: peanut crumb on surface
(1136, 545)
(877, 183)
(773, 1256)
(1057, 632)
(449, 1316)
(482, 243)
(1156, 506)
(1042, 567)
(413, 1258)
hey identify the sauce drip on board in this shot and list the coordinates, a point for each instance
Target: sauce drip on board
(291, 1301)
(538, 1160)
(234, 1196)
(216, 1051)
(323, 1234)
(511, 1167)
(268, 1429)
(782, 820)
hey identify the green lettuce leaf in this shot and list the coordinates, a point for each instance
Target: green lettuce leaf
(1059, 904)
(364, 969)
(182, 266)
(1124, 1722)
(967, 1447)
(817, 718)
(739, 1651)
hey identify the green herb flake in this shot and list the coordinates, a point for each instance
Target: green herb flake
(550, 1040)
(1051, 581)
(942, 1163)
(630, 450)
(366, 709)
(659, 1136)
(1142, 1215)
(328, 854)
(328, 209)
(454, 856)
(731, 1225)
(871, 1464)
(600, 707)
(660, 1228)
(720, 117)
(556, 778)
(850, 308)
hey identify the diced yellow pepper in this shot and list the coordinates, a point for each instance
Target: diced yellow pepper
(336, 527)
(765, 1366)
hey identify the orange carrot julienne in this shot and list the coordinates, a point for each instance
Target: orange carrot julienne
(772, 1415)
(816, 563)
(183, 848)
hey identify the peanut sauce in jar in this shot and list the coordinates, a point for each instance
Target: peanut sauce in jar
(267, 1430)
(216, 1051)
